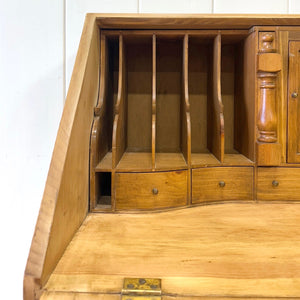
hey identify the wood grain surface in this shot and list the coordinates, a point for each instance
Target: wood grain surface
(136, 190)
(215, 109)
(232, 250)
(288, 184)
(293, 103)
(68, 177)
(207, 184)
(196, 21)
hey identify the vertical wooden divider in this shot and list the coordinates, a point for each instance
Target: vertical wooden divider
(97, 149)
(216, 132)
(186, 120)
(119, 127)
(153, 100)
(185, 113)
(120, 121)
(103, 75)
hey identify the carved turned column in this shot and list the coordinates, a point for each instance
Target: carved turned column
(268, 66)
(267, 118)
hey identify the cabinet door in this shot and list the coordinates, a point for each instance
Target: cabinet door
(293, 103)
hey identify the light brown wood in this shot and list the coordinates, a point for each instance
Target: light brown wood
(269, 62)
(293, 103)
(104, 69)
(105, 164)
(139, 94)
(67, 182)
(245, 91)
(77, 296)
(99, 296)
(204, 159)
(199, 59)
(208, 159)
(135, 161)
(222, 183)
(153, 100)
(185, 105)
(170, 161)
(151, 190)
(215, 110)
(267, 114)
(168, 98)
(94, 158)
(178, 33)
(268, 154)
(237, 160)
(196, 21)
(144, 132)
(233, 250)
(228, 84)
(288, 180)
(119, 128)
(282, 93)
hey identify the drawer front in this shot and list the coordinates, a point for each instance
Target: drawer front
(222, 183)
(150, 190)
(278, 183)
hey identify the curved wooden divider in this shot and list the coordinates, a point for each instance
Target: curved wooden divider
(153, 100)
(120, 124)
(186, 118)
(216, 128)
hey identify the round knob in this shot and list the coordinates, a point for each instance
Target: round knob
(222, 183)
(155, 191)
(294, 95)
(268, 37)
(275, 183)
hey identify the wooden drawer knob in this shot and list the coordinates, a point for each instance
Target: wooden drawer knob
(221, 183)
(154, 191)
(275, 183)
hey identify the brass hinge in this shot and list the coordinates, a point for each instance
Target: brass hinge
(141, 289)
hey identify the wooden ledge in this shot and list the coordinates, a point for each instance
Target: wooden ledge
(232, 250)
(193, 21)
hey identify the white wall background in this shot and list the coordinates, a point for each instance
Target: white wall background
(38, 45)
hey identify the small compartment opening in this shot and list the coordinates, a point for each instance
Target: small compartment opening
(238, 112)
(138, 104)
(169, 93)
(104, 189)
(169, 102)
(139, 93)
(109, 95)
(200, 67)
(229, 77)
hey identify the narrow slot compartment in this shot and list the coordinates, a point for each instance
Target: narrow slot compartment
(138, 103)
(103, 181)
(102, 128)
(108, 92)
(169, 74)
(238, 111)
(200, 69)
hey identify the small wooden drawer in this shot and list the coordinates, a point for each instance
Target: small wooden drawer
(150, 190)
(222, 183)
(275, 183)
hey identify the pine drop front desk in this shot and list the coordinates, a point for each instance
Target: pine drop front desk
(176, 168)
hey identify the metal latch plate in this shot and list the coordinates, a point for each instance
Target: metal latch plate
(141, 289)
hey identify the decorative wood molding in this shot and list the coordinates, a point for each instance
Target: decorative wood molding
(269, 64)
